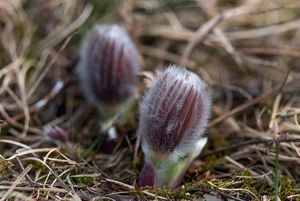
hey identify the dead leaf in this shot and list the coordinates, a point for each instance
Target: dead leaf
(4, 164)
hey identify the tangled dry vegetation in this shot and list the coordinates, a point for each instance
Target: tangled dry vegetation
(248, 52)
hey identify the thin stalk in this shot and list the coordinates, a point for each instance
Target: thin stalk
(276, 179)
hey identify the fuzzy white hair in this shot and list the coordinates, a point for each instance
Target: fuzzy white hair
(193, 141)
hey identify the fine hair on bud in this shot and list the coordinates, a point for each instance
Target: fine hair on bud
(173, 117)
(174, 113)
(109, 63)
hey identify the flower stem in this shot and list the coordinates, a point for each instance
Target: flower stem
(276, 179)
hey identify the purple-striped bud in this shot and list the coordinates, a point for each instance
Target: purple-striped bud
(109, 63)
(57, 135)
(173, 116)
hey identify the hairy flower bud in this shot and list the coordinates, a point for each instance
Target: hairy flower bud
(57, 135)
(173, 116)
(108, 65)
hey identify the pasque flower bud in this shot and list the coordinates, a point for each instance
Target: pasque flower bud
(109, 63)
(173, 116)
(57, 135)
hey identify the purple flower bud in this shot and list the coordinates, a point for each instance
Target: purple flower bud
(108, 65)
(56, 134)
(173, 116)
(147, 175)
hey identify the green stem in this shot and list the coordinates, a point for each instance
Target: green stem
(89, 150)
(128, 111)
(276, 182)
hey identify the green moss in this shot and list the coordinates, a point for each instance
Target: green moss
(74, 152)
(259, 187)
(247, 180)
(286, 187)
(177, 194)
(82, 181)
(263, 188)
(213, 163)
(219, 141)
(37, 166)
(195, 185)
(244, 173)
(224, 183)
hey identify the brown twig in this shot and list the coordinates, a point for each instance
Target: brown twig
(30, 181)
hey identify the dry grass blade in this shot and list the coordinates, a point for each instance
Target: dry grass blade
(30, 189)
(265, 31)
(199, 36)
(16, 182)
(240, 108)
(31, 151)
(65, 31)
